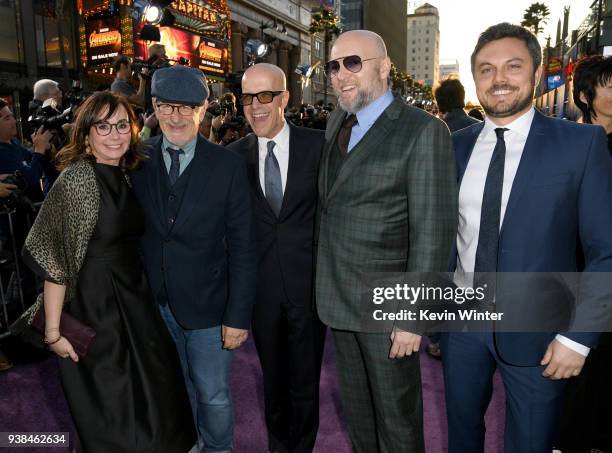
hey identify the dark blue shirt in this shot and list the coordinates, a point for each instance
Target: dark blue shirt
(14, 156)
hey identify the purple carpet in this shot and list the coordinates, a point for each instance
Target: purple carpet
(31, 399)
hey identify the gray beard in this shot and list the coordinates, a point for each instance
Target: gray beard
(363, 98)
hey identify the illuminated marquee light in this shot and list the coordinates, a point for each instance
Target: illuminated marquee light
(83, 43)
(105, 37)
(127, 44)
(98, 9)
(194, 10)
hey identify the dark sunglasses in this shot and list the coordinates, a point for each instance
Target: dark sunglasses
(264, 97)
(353, 63)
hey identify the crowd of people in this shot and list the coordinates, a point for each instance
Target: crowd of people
(187, 222)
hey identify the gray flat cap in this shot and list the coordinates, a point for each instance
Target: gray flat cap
(179, 84)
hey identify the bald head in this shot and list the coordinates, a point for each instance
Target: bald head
(365, 40)
(265, 108)
(358, 82)
(271, 75)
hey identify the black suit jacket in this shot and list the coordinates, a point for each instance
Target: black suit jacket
(285, 244)
(207, 259)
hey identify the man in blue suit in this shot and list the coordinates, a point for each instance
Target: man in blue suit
(199, 247)
(530, 188)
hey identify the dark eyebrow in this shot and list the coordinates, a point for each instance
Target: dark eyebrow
(517, 59)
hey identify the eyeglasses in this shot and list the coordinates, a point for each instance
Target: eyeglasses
(264, 97)
(123, 127)
(353, 63)
(168, 109)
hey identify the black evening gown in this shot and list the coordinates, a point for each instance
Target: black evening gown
(128, 395)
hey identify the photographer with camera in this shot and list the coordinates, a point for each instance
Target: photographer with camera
(47, 103)
(20, 172)
(45, 89)
(225, 124)
(47, 113)
(14, 157)
(122, 66)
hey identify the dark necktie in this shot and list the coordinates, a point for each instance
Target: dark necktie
(175, 165)
(344, 136)
(490, 215)
(272, 180)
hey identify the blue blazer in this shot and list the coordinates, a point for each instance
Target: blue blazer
(208, 258)
(562, 193)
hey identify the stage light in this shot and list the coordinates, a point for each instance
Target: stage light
(153, 14)
(256, 48)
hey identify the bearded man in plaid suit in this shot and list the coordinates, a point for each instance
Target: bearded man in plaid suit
(387, 203)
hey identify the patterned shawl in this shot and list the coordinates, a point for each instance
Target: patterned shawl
(57, 243)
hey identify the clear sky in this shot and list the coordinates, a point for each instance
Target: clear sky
(462, 21)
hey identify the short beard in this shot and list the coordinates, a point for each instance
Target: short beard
(513, 109)
(365, 96)
(518, 106)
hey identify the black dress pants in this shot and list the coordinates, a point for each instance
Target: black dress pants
(289, 341)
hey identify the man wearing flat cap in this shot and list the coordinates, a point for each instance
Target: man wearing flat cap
(198, 249)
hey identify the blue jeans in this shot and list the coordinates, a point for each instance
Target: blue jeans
(206, 368)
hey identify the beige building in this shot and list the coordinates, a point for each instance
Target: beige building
(449, 68)
(423, 44)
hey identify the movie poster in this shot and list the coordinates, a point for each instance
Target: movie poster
(103, 38)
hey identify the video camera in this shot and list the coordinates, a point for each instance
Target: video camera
(75, 96)
(154, 63)
(50, 119)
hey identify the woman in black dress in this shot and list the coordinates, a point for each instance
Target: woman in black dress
(127, 394)
(586, 419)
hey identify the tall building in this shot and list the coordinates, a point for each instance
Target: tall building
(449, 68)
(423, 44)
(387, 20)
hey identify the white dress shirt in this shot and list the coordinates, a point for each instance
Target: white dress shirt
(472, 188)
(281, 152)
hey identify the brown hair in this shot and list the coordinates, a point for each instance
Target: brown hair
(86, 116)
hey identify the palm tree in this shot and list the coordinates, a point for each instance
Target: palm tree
(325, 21)
(536, 15)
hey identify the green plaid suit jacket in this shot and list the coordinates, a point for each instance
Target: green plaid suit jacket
(392, 208)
